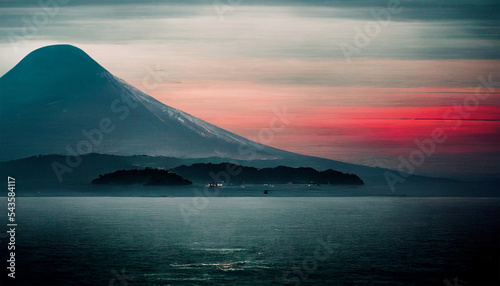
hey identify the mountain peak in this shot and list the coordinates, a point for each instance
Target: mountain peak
(56, 69)
(55, 60)
(58, 50)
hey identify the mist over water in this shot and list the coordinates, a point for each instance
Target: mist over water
(257, 241)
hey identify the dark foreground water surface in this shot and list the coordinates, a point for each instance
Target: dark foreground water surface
(255, 241)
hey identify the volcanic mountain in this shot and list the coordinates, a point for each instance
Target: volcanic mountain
(58, 100)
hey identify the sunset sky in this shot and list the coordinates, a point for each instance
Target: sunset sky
(234, 63)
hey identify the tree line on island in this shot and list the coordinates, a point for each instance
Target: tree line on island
(206, 172)
(147, 177)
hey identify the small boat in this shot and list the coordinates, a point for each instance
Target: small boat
(266, 192)
(213, 185)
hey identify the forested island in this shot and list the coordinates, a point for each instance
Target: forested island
(228, 174)
(237, 174)
(147, 177)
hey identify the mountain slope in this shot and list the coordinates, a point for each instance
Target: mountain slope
(58, 100)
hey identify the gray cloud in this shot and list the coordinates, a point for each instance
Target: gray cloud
(302, 30)
(415, 10)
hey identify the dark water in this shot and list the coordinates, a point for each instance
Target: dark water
(256, 241)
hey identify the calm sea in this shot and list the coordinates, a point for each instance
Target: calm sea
(255, 241)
